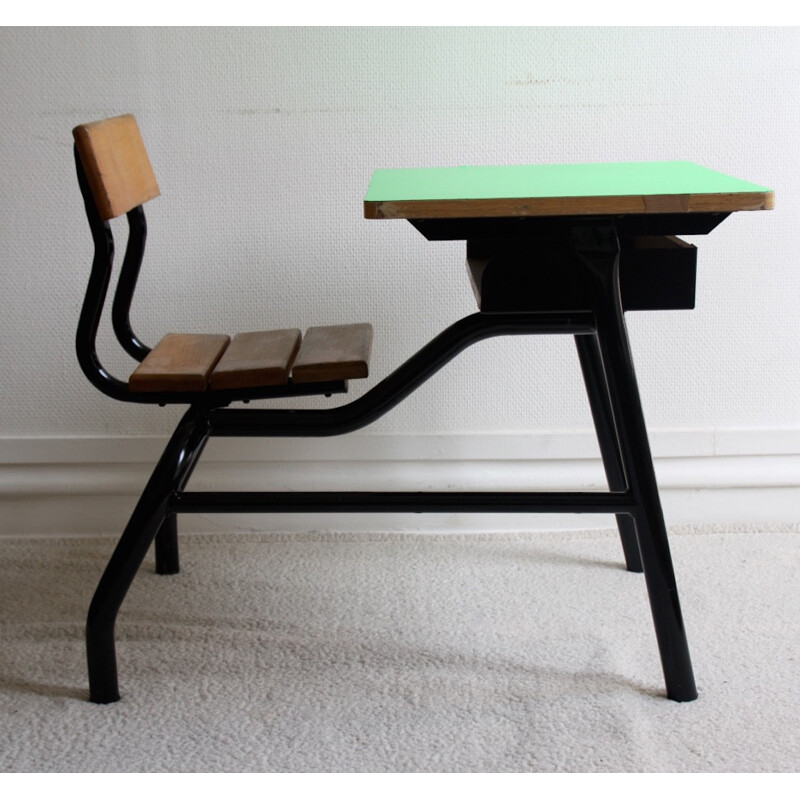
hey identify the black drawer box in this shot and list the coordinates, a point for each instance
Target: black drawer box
(656, 272)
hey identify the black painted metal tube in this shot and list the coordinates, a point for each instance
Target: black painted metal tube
(167, 549)
(92, 309)
(436, 502)
(126, 286)
(401, 383)
(607, 438)
(637, 462)
(649, 519)
(170, 475)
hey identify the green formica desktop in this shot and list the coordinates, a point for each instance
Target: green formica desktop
(653, 187)
(568, 249)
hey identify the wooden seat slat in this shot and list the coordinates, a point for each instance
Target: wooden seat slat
(334, 353)
(180, 362)
(257, 358)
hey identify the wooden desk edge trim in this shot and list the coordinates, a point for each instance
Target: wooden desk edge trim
(568, 206)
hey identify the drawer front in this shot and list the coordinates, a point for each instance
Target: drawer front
(656, 273)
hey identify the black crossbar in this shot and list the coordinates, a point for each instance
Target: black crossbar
(440, 502)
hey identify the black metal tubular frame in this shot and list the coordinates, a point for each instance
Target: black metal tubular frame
(607, 368)
(613, 396)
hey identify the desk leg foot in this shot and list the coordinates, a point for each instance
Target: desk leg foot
(167, 557)
(663, 593)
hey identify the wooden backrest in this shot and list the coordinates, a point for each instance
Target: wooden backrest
(116, 164)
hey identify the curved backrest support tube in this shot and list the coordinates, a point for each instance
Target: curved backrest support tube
(126, 285)
(96, 291)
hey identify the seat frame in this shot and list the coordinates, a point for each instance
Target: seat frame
(605, 360)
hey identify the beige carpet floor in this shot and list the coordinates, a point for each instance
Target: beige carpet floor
(404, 653)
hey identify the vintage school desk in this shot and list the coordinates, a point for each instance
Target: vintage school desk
(550, 250)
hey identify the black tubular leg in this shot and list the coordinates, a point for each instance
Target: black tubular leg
(614, 347)
(167, 557)
(170, 475)
(648, 518)
(600, 404)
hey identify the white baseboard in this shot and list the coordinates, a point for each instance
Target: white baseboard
(89, 485)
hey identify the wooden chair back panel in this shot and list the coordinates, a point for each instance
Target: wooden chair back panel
(116, 164)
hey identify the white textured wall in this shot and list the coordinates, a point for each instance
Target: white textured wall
(264, 141)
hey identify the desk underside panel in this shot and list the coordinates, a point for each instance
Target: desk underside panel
(535, 229)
